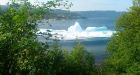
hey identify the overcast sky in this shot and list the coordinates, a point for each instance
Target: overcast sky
(90, 5)
(117, 5)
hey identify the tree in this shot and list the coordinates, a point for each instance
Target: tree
(55, 58)
(20, 51)
(78, 62)
(124, 48)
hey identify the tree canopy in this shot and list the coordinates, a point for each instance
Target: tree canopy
(20, 51)
(124, 48)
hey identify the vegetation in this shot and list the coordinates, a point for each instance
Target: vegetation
(22, 54)
(78, 62)
(124, 47)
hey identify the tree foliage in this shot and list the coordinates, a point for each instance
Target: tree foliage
(78, 62)
(20, 51)
(124, 47)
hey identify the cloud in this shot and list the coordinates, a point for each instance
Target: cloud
(3, 2)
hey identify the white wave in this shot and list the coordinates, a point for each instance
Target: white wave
(75, 32)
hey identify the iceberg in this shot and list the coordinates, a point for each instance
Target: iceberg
(76, 32)
(75, 28)
(92, 29)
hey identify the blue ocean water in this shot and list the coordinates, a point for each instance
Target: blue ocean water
(90, 22)
(96, 46)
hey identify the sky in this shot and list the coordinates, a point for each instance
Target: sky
(91, 5)
(117, 5)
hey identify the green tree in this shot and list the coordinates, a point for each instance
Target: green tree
(20, 51)
(78, 62)
(55, 58)
(124, 48)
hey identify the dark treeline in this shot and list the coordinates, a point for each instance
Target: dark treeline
(21, 53)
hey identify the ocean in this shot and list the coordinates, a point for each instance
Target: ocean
(97, 45)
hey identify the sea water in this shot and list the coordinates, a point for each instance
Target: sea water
(95, 44)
